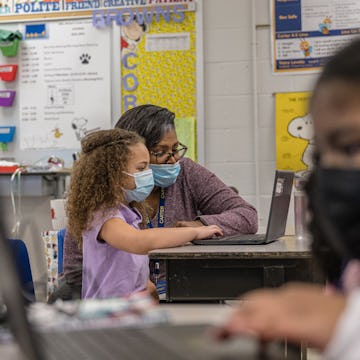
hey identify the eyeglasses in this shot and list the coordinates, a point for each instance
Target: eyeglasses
(164, 156)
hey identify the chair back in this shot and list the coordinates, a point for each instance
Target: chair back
(61, 237)
(22, 262)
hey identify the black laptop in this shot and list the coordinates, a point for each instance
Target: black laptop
(277, 217)
(153, 342)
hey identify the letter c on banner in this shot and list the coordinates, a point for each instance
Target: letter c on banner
(127, 86)
(125, 60)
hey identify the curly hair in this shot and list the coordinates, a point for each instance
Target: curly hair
(97, 178)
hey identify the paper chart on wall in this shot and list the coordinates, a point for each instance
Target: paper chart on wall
(65, 84)
(306, 33)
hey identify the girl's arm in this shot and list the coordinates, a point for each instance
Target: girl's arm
(119, 234)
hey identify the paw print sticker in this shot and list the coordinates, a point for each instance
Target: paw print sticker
(85, 58)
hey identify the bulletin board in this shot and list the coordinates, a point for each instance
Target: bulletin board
(160, 68)
(294, 132)
(167, 67)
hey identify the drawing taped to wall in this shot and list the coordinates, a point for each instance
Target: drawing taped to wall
(294, 132)
(80, 127)
(57, 132)
(131, 34)
(302, 128)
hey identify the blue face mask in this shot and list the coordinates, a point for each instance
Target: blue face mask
(165, 175)
(144, 182)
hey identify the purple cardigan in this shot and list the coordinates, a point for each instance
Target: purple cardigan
(197, 194)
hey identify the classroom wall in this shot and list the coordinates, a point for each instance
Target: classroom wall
(230, 127)
(231, 124)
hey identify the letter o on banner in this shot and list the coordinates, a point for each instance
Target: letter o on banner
(130, 82)
(26, 7)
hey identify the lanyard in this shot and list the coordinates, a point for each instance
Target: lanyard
(161, 212)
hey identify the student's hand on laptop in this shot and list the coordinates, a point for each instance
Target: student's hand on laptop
(298, 312)
(188, 223)
(204, 232)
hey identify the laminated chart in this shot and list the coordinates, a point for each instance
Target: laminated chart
(305, 33)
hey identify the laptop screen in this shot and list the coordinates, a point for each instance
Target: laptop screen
(279, 206)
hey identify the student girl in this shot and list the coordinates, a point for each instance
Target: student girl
(188, 193)
(108, 183)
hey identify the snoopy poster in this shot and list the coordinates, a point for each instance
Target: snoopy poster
(294, 132)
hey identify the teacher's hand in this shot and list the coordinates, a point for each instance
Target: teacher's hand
(189, 223)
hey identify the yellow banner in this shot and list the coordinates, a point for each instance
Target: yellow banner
(103, 12)
(159, 67)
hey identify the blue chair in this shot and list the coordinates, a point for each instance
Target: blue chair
(22, 262)
(61, 237)
(64, 291)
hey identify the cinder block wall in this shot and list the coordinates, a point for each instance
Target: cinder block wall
(229, 84)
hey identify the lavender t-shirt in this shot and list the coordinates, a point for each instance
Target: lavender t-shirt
(107, 271)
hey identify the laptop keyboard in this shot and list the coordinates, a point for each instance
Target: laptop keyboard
(166, 342)
(124, 344)
(244, 236)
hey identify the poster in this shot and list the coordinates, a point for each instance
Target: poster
(294, 132)
(305, 33)
(159, 67)
(64, 86)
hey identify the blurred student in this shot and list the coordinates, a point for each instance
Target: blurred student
(330, 323)
(109, 181)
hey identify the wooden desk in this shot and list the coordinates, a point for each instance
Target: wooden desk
(207, 273)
